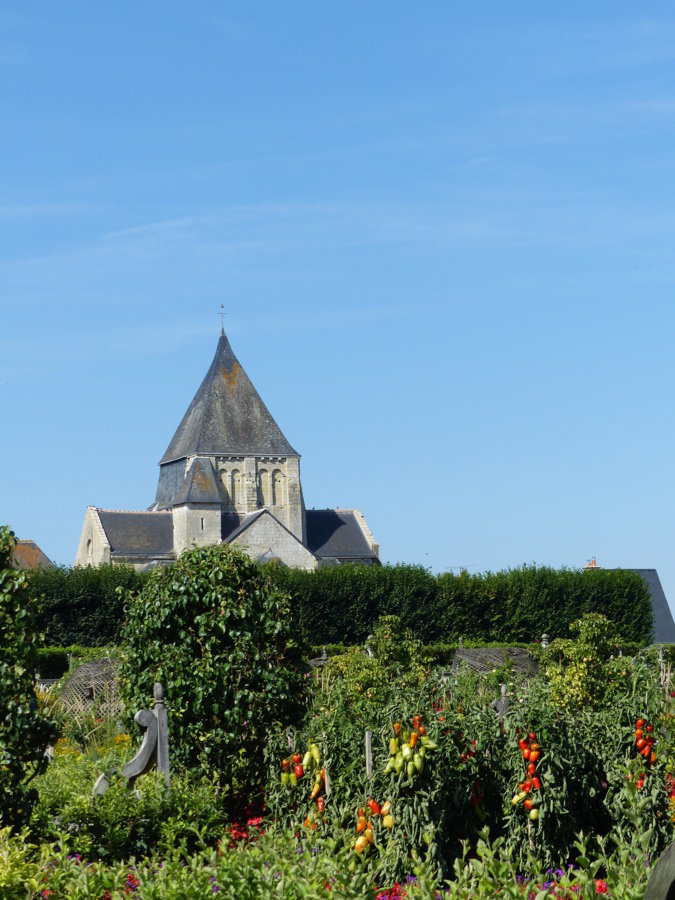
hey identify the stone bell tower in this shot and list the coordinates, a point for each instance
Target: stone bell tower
(228, 459)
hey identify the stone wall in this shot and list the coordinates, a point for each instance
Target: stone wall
(192, 524)
(93, 549)
(267, 534)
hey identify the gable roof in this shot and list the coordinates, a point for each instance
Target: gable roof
(200, 485)
(144, 534)
(27, 555)
(337, 534)
(227, 416)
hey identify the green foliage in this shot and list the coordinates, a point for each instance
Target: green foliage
(522, 604)
(123, 824)
(620, 869)
(583, 672)
(24, 731)
(54, 662)
(587, 757)
(82, 605)
(277, 866)
(366, 682)
(341, 604)
(216, 633)
(395, 647)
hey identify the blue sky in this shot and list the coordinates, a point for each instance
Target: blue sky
(442, 236)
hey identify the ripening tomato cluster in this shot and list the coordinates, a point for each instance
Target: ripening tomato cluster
(531, 801)
(293, 769)
(407, 749)
(364, 827)
(469, 750)
(644, 740)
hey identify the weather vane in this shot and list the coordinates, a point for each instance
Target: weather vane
(222, 315)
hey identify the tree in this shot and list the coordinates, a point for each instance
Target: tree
(24, 731)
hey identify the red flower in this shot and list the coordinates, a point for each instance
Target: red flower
(600, 886)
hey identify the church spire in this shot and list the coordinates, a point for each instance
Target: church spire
(227, 416)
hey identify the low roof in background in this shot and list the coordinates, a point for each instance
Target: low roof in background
(27, 555)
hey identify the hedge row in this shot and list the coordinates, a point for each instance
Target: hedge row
(341, 605)
(82, 605)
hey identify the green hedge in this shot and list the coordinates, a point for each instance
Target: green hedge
(342, 604)
(82, 605)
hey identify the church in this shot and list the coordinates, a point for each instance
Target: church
(228, 476)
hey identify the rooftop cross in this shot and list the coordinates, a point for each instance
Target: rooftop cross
(222, 315)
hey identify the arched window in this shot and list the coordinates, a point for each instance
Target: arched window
(236, 488)
(225, 481)
(263, 487)
(277, 488)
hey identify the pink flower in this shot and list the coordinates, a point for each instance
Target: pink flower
(600, 886)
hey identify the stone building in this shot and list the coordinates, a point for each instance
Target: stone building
(228, 475)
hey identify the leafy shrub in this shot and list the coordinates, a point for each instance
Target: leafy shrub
(124, 823)
(580, 671)
(217, 634)
(82, 605)
(24, 731)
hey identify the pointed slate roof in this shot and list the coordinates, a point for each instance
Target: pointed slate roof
(227, 416)
(200, 485)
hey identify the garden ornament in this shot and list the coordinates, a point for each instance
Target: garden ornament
(154, 750)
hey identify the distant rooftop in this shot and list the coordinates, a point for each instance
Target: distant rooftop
(27, 555)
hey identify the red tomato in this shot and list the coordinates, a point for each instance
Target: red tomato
(526, 753)
(639, 723)
(527, 803)
(297, 757)
(299, 771)
(536, 784)
(534, 755)
(640, 743)
(522, 744)
(531, 768)
(532, 736)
